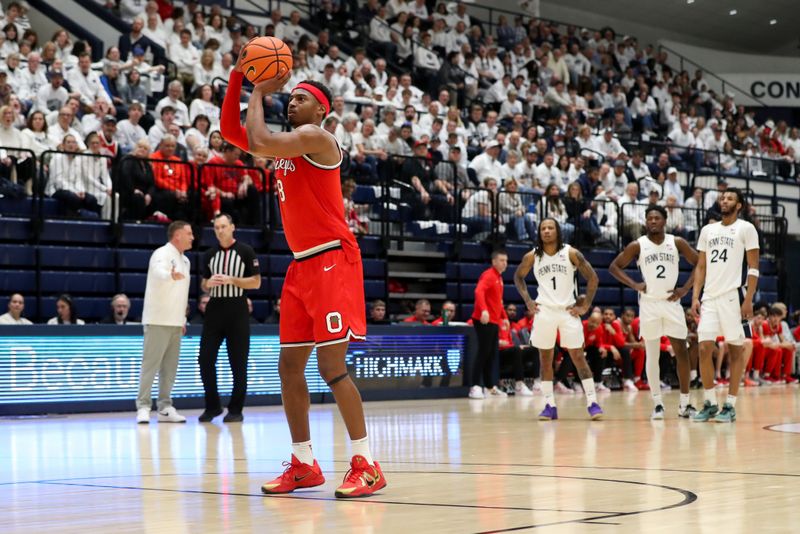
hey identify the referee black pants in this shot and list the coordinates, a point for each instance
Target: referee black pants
(228, 319)
(486, 358)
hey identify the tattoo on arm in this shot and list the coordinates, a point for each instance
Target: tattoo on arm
(519, 276)
(588, 274)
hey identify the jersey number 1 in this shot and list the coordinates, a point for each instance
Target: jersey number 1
(554, 283)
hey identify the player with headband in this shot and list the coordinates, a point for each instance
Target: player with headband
(322, 302)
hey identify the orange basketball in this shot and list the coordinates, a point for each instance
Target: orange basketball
(264, 57)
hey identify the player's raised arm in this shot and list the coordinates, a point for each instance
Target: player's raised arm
(685, 250)
(586, 270)
(622, 260)
(229, 124)
(522, 271)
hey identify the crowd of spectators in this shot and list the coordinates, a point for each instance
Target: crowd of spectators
(502, 118)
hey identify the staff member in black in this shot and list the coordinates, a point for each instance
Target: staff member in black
(229, 268)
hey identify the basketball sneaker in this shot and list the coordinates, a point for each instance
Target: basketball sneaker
(595, 411)
(522, 389)
(791, 380)
(641, 385)
(709, 411)
(687, 412)
(550, 413)
(143, 416)
(495, 392)
(476, 392)
(658, 413)
(628, 385)
(362, 480)
(750, 383)
(727, 415)
(297, 475)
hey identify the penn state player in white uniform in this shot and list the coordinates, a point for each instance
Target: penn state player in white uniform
(722, 247)
(658, 256)
(557, 309)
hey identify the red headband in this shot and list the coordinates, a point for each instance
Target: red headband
(319, 95)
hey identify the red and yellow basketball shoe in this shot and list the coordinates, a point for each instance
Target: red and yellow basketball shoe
(297, 475)
(362, 480)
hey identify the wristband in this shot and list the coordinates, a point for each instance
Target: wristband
(753, 272)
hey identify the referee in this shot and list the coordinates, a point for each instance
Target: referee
(228, 269)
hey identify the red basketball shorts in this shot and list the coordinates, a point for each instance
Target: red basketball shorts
(322, 301)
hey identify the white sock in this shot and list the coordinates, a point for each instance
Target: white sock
(731, 400)
(756, 375)
(361, 446)
(710, 396)
(547, 391)
(693, 375)
(684, 402)
(652, 354)
(588, 388)
(302, 452)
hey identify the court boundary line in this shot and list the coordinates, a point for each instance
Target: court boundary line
(772, 429)
(688, 496)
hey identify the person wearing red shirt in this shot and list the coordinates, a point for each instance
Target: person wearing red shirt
(614, 343)
(518, 356)
(780, 371)
(629, 324)
(422, 310)
(448, 314)
(488, 315)
(596, 351)
(322, 299)
(171, 195)
(228, 187)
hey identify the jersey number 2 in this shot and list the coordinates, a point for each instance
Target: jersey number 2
(717, 255)
(660, 269)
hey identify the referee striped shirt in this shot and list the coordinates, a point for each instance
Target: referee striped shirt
(238, 261)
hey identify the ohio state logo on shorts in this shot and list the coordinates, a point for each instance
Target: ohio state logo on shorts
(334, 322)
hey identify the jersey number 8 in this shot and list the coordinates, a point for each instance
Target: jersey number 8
(281, 194)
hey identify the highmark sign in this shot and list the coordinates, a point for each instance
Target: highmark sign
(105, 367)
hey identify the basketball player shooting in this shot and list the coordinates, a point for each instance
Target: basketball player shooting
(658, 256)
(558, 309)
(721, 252)
(322, 302)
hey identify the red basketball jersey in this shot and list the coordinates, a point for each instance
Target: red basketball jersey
(312, 208)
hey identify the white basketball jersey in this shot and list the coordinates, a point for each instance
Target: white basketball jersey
(555, 276)
(659, 265)
(725, 248)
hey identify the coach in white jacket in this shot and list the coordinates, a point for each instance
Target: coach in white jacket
(164, 320)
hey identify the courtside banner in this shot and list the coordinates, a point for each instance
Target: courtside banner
(55, 368)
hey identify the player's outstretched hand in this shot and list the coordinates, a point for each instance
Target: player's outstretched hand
(677, 294)
(696, 308)
(267, 87)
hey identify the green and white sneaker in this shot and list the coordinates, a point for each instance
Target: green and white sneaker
(706, 414)
(727, 415)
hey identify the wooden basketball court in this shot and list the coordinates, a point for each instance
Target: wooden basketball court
(453, 465)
